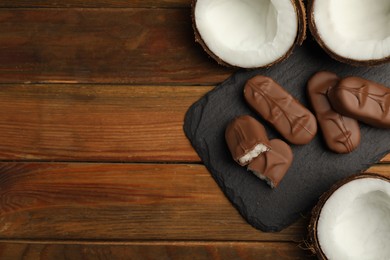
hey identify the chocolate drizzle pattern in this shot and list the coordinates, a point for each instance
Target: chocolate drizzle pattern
(362, 94)
(279, 108)
(276, 110)
(344, 137)
(363, 100)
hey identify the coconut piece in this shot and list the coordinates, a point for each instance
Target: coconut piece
(246, 138)
(352, 219)
(249, 33)
(356, 32)
(273, 165)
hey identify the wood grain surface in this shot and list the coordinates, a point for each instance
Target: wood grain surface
(94, 163)
(137, 46)
(96, 122)
(155, 250)
(125, 201)
(96, 3)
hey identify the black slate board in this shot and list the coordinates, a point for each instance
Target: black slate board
(314, 168)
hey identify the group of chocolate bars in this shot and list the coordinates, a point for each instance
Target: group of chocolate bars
(337, 103)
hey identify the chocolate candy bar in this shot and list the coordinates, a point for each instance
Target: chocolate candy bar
(246, 138)
(273, 165)
(293, 121)
(341, 133)
(363, 100)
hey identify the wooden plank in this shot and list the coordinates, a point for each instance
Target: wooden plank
(68, 201)
(383, 169)
(95, 122)
(121, 202)
(154, 250)
(159, 250)
(95, 3)
(136, 46)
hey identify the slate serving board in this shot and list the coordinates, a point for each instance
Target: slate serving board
(314, 169)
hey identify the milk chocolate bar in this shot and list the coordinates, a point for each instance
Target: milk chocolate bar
(341, 133)
(363, 100)
(246, 138)
(289, 117)
(274, 164)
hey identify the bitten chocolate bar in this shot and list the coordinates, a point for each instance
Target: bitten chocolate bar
(289, 117)
(363, 100)
(246, 138)
(273, 165)
(341, 133)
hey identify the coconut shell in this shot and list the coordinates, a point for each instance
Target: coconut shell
(199, 39)
(314, 31)
(301, 35)
(302, 23)
(315, 214)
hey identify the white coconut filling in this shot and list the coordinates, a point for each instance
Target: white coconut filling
(354, 29)
(263, 177)
(259, 149)
(247, 33)
(354, 223)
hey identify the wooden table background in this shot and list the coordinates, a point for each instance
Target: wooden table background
(94, 163)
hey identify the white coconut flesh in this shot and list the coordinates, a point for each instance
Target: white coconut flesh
(264, 178)
(259, 149)
(354, 223)
(247, 33)
(354, 29)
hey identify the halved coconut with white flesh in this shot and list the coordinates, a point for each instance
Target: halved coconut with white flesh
(352, 220)
(356, 32)
(249, 33)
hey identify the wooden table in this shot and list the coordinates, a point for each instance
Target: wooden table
(94, 161)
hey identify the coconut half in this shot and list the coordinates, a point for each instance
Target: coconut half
(249, 33)
(356, 32)
(352, 220)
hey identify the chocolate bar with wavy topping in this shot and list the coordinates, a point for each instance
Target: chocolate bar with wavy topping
(363, 100)
(341, 133)
(289, 117)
